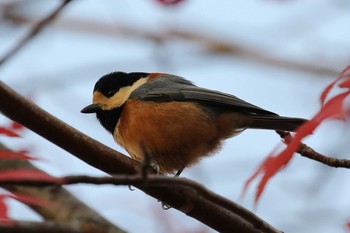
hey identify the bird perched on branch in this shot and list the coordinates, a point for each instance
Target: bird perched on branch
(174, 121)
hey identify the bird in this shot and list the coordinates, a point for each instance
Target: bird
(171, 120)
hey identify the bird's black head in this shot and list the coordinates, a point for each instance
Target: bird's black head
(111, 93)
(111, 83)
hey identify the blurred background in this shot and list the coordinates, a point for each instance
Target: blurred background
(277, 54)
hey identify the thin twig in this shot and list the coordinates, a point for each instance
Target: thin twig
(210, 212)
(308, 152)
(34, 31)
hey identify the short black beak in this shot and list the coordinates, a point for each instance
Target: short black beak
(92, 108)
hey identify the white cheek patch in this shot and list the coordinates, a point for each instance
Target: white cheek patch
(122, 95)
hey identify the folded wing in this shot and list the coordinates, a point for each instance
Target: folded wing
(174, 88)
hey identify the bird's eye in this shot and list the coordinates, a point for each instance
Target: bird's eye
(111, 93)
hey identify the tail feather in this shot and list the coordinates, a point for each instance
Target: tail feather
(276, 123)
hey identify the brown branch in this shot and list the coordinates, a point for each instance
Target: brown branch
(211, 212)
(49, 227)
(151, 181)
(308, 152)
(61, 201)
(34, 31)
(194, 188)
(140, 180)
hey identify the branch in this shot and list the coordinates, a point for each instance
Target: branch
(61, 201)
(212, 44)
(34, 31)
(195, 189)
(49, 227)
(308, 152)
(218, 213)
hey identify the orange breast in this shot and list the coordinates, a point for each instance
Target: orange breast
(175, 134)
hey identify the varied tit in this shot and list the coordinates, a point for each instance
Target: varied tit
(172, 120)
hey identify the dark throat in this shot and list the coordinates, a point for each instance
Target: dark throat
(109, 119)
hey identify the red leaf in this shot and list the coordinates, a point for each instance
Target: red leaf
(12, 129)
(3, 209)
(16, 126)
(27, 175)
(346, 83)
(342, 75)
(332, 109)
(4, 218)
(252, 177)
(8, 132)
(346, 75)
(6, 154)
(326, 91)
(28, 199)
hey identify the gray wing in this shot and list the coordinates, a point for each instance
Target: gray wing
(173, 88)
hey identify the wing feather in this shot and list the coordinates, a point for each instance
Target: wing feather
(174, 88)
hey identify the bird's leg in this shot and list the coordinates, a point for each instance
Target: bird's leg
(148, 162)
